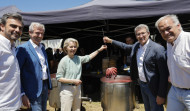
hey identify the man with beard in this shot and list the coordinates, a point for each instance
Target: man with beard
(11, 29)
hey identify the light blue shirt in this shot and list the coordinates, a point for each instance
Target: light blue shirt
(41, 57)
(71, 68)
(140, 58)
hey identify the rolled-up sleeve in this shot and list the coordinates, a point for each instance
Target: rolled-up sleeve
(60, 70)
(85, 59)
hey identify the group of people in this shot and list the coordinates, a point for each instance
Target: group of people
(153, 66)
(25, 75)
(24, 71)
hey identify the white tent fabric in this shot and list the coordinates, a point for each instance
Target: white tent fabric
(54, 44)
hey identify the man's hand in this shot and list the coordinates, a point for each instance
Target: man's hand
(111, 71)
(25, 101)
(107, 39)
(160, 100)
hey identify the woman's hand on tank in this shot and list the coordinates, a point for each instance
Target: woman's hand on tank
(111, 71)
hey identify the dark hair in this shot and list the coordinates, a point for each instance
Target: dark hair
(11, 15)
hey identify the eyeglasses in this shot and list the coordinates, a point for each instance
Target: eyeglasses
(142, 33)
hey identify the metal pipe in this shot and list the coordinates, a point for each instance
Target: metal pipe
(86, 99)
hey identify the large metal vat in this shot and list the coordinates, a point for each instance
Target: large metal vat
(117, 94)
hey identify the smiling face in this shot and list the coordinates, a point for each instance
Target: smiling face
(37, 35)
(169, 30)
(142, 35)
(12, 30)
(71, 49)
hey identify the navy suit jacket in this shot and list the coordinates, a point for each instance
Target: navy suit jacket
(31, 70)
(154, 65)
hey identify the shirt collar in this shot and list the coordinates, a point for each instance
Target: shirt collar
(178, 38)
(34, 45)
(6, 41)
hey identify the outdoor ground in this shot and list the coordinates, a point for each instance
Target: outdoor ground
(96, 106)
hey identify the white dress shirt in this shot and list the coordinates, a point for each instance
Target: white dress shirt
(41, 56)
(140, 58)
(10, 94)
(179, 60)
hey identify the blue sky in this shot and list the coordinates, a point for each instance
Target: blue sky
(42, 5)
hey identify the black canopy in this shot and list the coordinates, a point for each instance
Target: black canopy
(116, 18)
(8, 9)
(109, 9)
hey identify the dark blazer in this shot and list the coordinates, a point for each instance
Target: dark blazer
(31, 70)
(154, 65)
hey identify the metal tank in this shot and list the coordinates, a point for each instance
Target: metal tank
(117, 94)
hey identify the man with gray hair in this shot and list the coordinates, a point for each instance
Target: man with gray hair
(148, 66)
(35, 74)
(178, 53)
(11, 29)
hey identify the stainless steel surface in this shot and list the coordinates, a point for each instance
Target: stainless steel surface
(117, 96)
(86, 99)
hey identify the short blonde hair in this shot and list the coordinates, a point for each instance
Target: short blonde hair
(66, 43)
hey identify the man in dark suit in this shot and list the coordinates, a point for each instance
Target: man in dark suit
(35, 74)
(148, 66)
